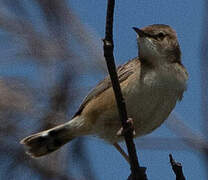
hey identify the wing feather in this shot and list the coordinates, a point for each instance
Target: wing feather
(123, 71)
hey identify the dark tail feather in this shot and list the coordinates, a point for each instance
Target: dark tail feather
(47, 141)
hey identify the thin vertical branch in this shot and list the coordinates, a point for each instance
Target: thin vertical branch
(137, 173)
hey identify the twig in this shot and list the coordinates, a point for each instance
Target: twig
(137, 173)
(177, 168)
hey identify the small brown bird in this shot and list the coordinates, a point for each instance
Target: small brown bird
(151, 85)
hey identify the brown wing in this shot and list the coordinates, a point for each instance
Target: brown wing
(123, 71)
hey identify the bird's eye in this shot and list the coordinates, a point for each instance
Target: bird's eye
(161, 35)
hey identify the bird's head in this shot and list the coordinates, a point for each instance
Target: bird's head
(158, 44)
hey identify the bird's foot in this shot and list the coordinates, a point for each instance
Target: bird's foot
(121, 131)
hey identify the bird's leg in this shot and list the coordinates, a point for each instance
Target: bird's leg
(122, 152)
(121, 132)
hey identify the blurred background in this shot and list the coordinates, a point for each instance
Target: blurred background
(51, 56)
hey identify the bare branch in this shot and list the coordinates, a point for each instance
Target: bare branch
(136, 171)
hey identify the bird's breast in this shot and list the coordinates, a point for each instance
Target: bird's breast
(151, 99)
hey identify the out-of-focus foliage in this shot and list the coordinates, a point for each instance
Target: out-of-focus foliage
(44, 50)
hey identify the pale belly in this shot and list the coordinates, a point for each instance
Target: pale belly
(149, 108)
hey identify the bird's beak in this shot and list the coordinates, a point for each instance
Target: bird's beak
(139, 32)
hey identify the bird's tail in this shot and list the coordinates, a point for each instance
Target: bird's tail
(50, 140)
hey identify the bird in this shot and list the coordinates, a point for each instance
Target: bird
(151, 83)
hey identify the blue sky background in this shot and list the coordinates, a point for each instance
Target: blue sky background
(186, 17)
